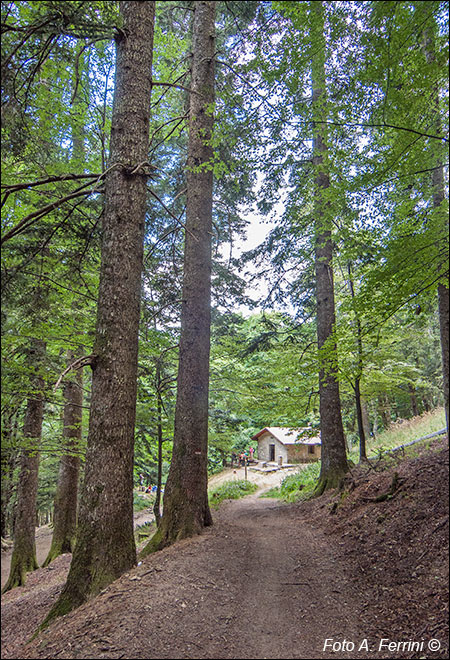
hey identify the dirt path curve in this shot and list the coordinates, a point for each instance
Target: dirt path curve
(262, 582)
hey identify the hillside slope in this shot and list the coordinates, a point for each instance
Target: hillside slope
(272, 580)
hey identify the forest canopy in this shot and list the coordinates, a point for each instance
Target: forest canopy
(142, 342)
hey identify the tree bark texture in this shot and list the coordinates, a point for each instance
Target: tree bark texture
(65, 505)
(105, 545)
(334, 460)
(443, 290)
(23, 557)
(186, 510)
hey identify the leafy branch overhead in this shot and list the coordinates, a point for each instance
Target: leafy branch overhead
(236, 214)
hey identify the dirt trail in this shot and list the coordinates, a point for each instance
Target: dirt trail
(269, 580)
(293, 591)
(44, 533)
(256, 585)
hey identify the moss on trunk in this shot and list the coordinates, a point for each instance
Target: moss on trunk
(329, 480)
(59, 547)
(23, 557)
(105, 545)
(23, 561)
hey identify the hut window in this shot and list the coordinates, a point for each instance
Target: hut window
(311, 449)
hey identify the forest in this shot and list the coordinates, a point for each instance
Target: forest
(216, 217)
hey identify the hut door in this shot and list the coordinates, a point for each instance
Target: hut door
(271, 452)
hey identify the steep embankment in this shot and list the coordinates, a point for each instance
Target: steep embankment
(271, 580)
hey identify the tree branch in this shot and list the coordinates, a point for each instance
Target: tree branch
(42, 182)
(25, 222)
(78, 364)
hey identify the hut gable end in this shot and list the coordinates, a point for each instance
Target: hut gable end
(287, 445)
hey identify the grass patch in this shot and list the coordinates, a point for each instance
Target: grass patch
(273, 492)
(230, 490)
(400, 433)
(141, 502)
(300, 486)
(297, 486)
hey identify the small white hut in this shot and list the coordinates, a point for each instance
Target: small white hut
(286, 445)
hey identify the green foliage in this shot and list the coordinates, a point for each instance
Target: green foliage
(301, 485)
(230, 490)
(386, 67)
(142, 502)
(405, 430)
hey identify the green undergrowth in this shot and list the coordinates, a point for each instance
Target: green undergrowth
(297, 486)
(402, 432)
(143, 532)
(301, 485)
(230, 490)
(141, 502)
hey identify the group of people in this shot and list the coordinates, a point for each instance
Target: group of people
(147, 489)
(243, 458)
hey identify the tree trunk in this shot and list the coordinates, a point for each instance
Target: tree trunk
(65, 506)
(359, 371)
(365, 417)
(23, 557)
(443, 291)
(157, 504)
(334, 460)
(359, 415)
(384, 410)
(186, 510)
(8, 460)
(105, 546)
(413, 399)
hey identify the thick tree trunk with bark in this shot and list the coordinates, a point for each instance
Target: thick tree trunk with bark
(65, 506)
(334, 459)
(105, 546)
(443, 291)
(23, 557)
(186, 510)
